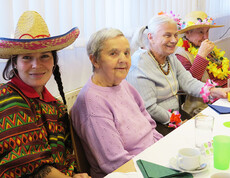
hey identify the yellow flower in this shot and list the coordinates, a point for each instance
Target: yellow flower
(223, 71)
(180, 42)
(190, 23)
(222, 53)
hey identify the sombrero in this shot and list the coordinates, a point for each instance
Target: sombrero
(32, 35)
(197, 19)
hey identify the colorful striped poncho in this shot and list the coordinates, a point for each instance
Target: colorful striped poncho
(33, 132)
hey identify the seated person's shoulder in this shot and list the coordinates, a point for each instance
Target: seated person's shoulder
(10, 100)
(6, 89)
(139, 61)
(139, 53)
(3, 85)
(59, 105)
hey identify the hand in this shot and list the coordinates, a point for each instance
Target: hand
(82, 175)
(205, 48)
(219, 92)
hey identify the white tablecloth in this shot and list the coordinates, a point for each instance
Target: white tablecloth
(184, 136)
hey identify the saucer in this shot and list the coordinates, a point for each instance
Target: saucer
(173, 164)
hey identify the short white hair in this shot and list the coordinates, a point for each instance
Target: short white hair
(95, 43)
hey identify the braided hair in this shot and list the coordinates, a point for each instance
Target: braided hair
(57, 76)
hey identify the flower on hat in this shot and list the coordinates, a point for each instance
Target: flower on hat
(176, 18)
(196, 19)
(206, 21)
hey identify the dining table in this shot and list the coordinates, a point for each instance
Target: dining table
(163, 151)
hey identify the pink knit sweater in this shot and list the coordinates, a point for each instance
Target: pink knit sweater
(113, 125)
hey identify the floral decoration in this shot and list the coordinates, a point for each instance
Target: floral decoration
(205, 91)
(218, 65)
(176, 18)
(175, 119)
(206, 21)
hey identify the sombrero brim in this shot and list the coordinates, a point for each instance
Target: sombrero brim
(9, 46)
(198, 26)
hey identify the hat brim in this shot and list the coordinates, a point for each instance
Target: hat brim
(9, 46)
(198, 26)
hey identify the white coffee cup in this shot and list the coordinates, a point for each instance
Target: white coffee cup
(188, 158)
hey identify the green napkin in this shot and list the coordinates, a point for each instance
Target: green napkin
(151, 170)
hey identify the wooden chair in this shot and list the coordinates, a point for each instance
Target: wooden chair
(182, 97)
(79, 153)
(81, 160)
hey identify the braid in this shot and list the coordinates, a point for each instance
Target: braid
(57, 77)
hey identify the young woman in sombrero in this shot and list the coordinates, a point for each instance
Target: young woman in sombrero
(34, 134)
(200, 56)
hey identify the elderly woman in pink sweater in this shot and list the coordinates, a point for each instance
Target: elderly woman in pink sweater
(109, 115)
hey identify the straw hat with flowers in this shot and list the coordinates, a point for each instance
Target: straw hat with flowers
(197, 19)
(32, 35)
(218, 64)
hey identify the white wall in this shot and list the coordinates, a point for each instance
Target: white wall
(75, 68)
(220, 32)
(224, 45)
(2, 65)
(221, 36)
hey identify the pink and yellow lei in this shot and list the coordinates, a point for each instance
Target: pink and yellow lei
(220, 71)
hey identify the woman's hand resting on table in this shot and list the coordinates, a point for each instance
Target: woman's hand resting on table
(219, 92)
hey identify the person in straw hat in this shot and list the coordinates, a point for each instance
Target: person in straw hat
(34, 131)
(200, 56)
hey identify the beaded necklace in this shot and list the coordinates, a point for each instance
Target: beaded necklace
(161, 65)
(165, 75)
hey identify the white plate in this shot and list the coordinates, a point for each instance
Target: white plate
(173, 164)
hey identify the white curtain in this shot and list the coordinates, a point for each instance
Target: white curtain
(90, 16)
